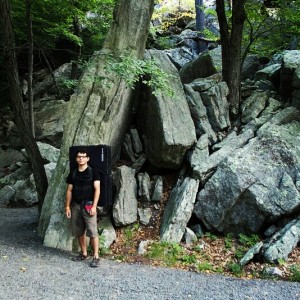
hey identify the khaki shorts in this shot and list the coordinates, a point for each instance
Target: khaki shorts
(82, 222)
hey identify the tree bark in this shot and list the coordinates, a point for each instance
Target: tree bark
(98, 113)
(30, 67)
(35, 158)
(200, 24)
(231, 40)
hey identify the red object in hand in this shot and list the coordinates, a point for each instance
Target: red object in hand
(88, 207)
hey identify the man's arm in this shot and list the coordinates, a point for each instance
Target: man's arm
(68, 200)
(96, 197)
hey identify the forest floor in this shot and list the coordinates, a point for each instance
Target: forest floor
(210, 254)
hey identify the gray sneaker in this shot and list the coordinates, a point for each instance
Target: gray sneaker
(95, 263)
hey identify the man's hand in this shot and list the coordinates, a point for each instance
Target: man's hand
(93, 210)
(68, 212)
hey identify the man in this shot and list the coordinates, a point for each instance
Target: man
(82, 196)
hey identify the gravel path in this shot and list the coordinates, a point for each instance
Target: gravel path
(30, 271)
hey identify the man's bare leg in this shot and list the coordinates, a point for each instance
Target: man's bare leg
(95, 246)
(82, 244)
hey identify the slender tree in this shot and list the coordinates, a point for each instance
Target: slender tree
(35, 158)
(200, 24)
(30, 67)
(231, 32)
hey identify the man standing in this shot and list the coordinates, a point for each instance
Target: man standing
(82, 197)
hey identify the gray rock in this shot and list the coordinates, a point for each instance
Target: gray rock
(189, 236)
(255, 185)
(20, 174)
(108, 234)
(206, 64)
(145, 215)
(270, 73)
(136, 141)
(199, 114)
(203, 167)
(281, 244)
(157, 189)
(296, 79)
(197, 228)
(251, 253)
(127, 149)
(273, 271)
(49, 122)
(253, 106)
(178, 210)
(6, 195)
(250, 66)
(164, 120)
(215, 101)
(9, 156)
(125, 202)
(26, 195)
(268, 113)
(139, 162)
(180, 56)
(270, 231)
(144, 186)
(48, 152)
(142, 248)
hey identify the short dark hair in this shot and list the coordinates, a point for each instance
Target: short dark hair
(82, 150)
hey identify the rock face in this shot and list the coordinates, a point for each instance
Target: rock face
(165, 120)
(49, 120)
(206, 64)
(179, 210)
(97, 113)
(125, 206)
(256, 185)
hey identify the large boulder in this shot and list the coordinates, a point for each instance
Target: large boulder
(165, 120)
(199, 114)
(256, 185)
(98, 112)
(290, 62)
(206, 64)
(49, 121)
(125, 203)
(179, 210)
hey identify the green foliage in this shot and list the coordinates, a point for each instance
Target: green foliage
(248, 240)
(189, 259)
(169, 253)
(130, 231)
(240, 252)
(54, 19)
(295, 270)
(204, 266)
(210, 236)
(235, 268)
(228, 241)
(164, 42)
(132, 70)
(267, 31)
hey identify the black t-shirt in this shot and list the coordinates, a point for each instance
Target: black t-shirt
(83, 184)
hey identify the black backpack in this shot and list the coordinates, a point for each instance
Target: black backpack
(100, 159)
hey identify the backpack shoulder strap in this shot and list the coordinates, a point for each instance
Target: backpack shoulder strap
(90, 173)
(74, 173)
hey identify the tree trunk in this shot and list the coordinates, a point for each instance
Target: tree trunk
(98, 113)
(231, 40)
(200, 24)
(30, 67)
(77, 32)
(35, 158)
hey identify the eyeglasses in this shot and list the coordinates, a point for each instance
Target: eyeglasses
(81, 156)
